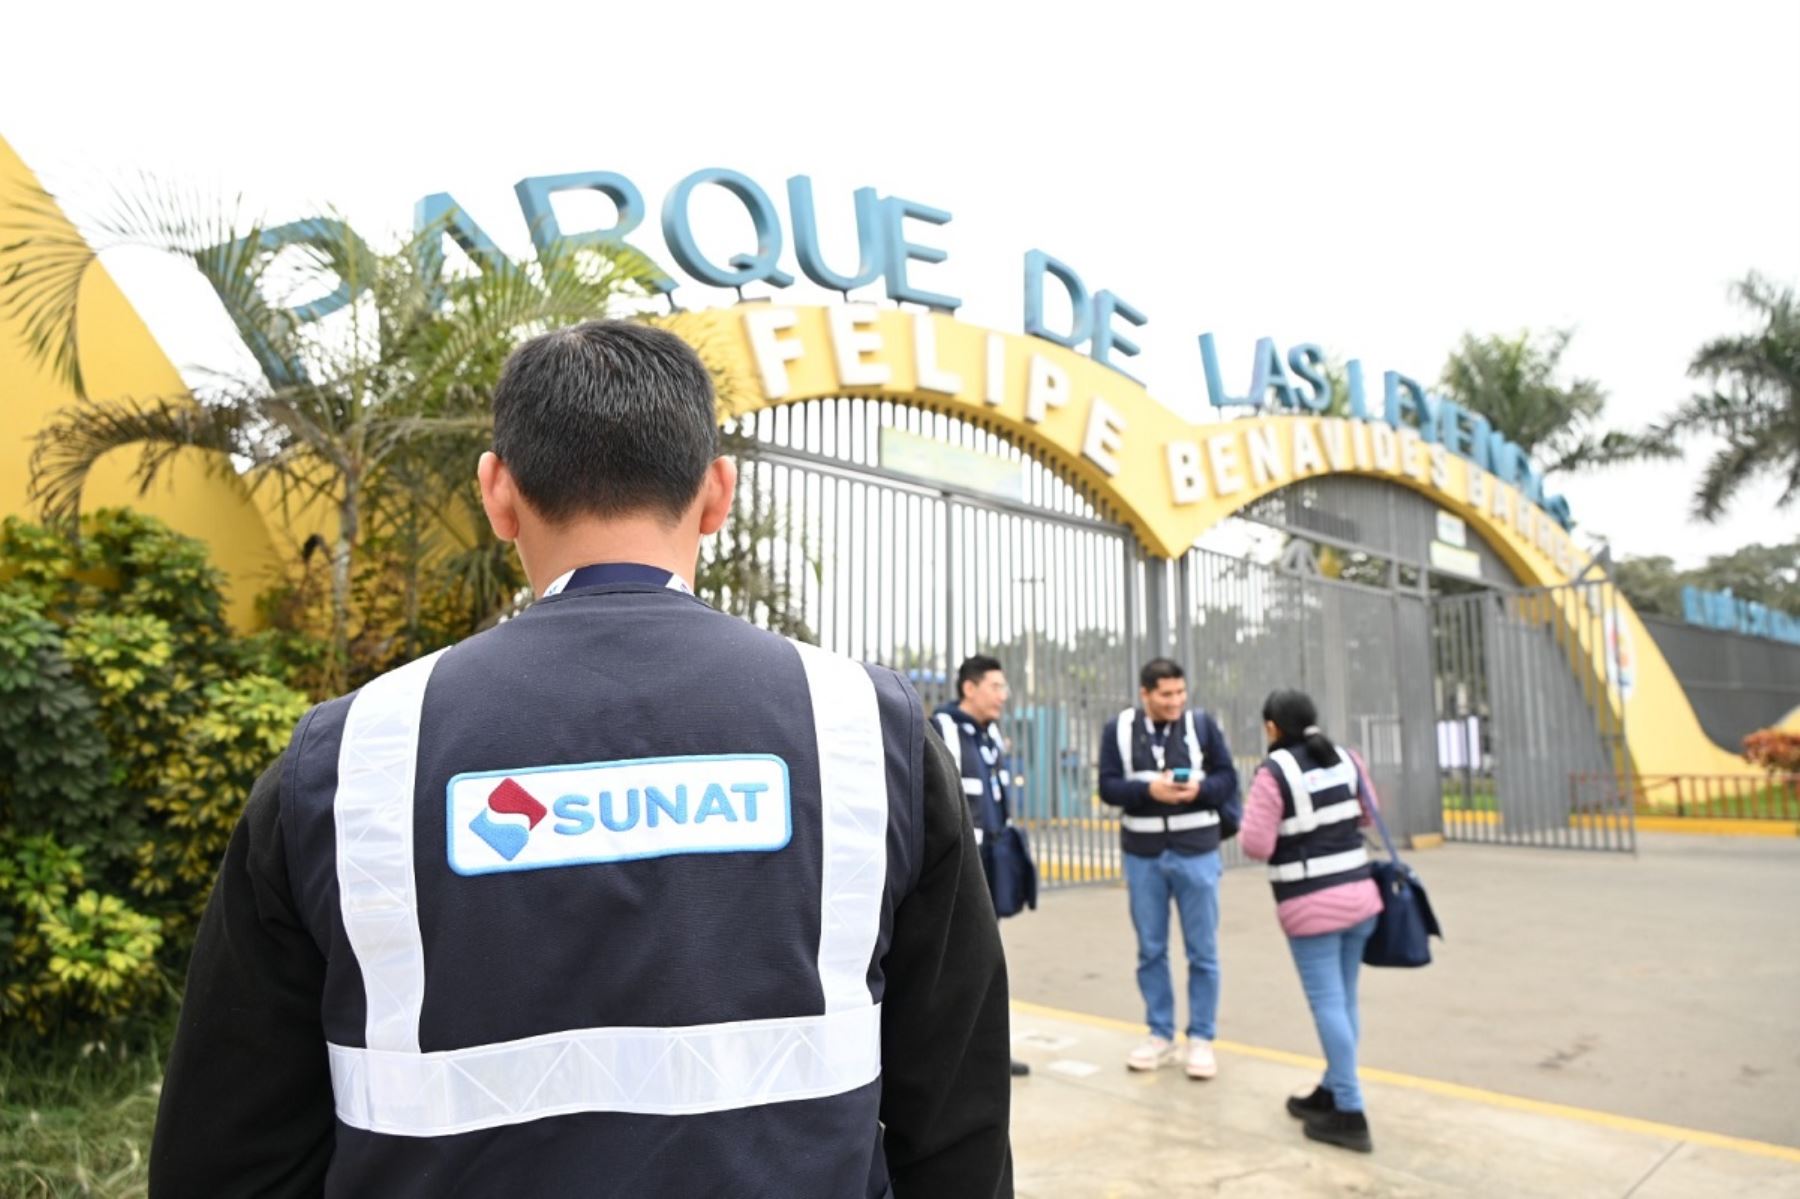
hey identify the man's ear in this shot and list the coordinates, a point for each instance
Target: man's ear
(717, 491)
(499, 496)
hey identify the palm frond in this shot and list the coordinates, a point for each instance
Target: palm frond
(1726, 472)
(159, 428)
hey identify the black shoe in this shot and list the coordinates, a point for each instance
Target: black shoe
(1347, 1130)
(1300, 1106)
(1019, 1068)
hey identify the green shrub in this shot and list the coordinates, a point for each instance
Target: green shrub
(131, 730)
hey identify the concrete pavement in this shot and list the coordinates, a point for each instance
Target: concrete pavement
(1664, 987)
(1594, 1025)
(1085, 1127)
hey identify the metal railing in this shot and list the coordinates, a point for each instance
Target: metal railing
(1703, 796)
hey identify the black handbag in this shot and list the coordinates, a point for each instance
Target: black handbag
(1403, 931)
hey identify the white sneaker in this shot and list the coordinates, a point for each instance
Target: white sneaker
(1153, 1054)
(1200, 1060)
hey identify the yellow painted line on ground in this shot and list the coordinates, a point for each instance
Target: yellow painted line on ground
(1454, 1090)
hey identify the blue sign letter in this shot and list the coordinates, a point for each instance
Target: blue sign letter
(1037, 264)
(806, 237)
(899, 250)
(546, 232)
(747, 268)
(436, 217)
(1308, 361)
(1270, 373)
(1404, 396)
(1215, 382)
(1107, 339)
(1359, 395)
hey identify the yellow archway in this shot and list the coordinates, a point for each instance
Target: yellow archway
(1170, 480)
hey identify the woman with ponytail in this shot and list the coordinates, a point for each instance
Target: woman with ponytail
(1304, 815)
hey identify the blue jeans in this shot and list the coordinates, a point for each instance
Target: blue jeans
(1328, 966)
(1193, 883)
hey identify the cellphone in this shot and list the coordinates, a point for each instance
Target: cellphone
(1181, 774)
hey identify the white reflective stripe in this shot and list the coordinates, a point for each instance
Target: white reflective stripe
(1348, 809)
(1193, 741)
(1122, 732)
(1171, 824)
(1144, 776)
(952, 738)
(1188, 820)
(1304, 785)
(978, 836)
(1331, 863)
(372, 813)
(1296, 783)
(646, 1071)
(972, 787)
(853, 811)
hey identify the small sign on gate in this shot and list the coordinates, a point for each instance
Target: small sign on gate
(953, 465)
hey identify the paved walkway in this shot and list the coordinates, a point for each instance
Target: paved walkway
(1664, 987)
(1083, 1126)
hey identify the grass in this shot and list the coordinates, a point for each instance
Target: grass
(1773, 801)
(1478, 797)
(1766, 803)
(75, 1119)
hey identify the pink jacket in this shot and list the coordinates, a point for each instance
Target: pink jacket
(1326, 911)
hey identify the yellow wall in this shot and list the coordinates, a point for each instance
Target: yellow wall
(119, 358)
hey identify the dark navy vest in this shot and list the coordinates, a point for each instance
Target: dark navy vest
(1319, 843)
(1150, 827)
(604, 894)
(981, 757)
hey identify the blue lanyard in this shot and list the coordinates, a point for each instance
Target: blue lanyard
(604, 573)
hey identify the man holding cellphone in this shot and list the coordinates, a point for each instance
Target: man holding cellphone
(1168, 767)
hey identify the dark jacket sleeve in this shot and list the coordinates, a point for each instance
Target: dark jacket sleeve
(1115, 788)
(246, 1105)
(1219, 786)
(946, 1093)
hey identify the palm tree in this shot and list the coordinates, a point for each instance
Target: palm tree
(359, 411)
(1752, 401)
(1512, 382)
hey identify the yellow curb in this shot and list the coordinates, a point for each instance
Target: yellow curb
(1719, 826)
(1070, 872)
(1453, 1090)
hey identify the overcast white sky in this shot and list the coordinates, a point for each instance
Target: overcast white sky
(1374, 177)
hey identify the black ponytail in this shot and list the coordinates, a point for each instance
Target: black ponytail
(1296, 719)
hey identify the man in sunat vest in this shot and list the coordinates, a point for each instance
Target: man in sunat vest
(1168, 767)
(621, 897)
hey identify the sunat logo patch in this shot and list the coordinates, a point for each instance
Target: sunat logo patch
(508, 838)
(539, 817)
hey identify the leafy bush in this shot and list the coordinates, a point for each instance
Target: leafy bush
(132, 725)
(1773, 750)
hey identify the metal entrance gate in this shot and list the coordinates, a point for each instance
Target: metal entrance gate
(1531, 738)
(916, 574)
(1484, 716)
(1360, 652)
